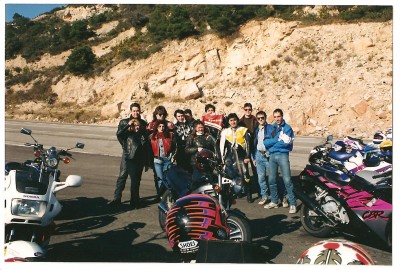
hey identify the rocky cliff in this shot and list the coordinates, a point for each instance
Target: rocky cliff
(328, 79)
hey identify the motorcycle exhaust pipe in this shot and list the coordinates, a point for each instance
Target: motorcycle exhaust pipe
(163, 207)
(313, 206)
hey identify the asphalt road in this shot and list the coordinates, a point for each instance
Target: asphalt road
(90, 231)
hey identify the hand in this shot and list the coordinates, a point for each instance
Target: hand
(199, 149)
(286, 138)
(280, 135)
(246, 160)
(255, 163)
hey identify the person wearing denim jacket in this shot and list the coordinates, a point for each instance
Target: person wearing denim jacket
(260, 154)
(279, 146)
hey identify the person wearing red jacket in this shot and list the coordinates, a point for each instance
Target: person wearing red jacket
(163, 145)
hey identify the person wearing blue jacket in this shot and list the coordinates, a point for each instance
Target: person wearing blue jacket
(279, 146)
(260, 154)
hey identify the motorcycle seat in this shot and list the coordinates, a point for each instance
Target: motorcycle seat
(341, 156)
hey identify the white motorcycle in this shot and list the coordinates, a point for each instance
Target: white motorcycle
(30, 202)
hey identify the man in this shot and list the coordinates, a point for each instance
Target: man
(279, 146)
(129, 134)
(235, 150)
(248, 120)
(182, 131)
(189, 117)
(261, 155)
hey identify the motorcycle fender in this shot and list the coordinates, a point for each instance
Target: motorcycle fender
(22, 249)
(236, 212)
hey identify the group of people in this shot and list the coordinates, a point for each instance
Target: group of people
(244, 145)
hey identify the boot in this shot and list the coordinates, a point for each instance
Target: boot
(115, 202)
(249, 198)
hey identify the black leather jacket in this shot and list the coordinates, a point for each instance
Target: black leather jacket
(133, 142)
(204, 141)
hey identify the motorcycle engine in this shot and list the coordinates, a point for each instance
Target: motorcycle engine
(333, 207)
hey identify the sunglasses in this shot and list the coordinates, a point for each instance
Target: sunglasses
(160, 114)
(248, 110)
(261, 118)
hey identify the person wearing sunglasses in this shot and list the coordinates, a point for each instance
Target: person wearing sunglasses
(279, 146)
(260, 154)
(248, 119)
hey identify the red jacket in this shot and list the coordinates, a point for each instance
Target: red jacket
(168, 143)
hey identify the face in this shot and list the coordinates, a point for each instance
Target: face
(233, 122)
(278, 118)
(261, 119)
(247, 111)
(135, 112)
(188, 116)
(161, 128)
(200, 128)
(180, 117)
(210, 111)
(160, 116)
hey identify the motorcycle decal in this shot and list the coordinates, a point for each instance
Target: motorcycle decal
(188, 246)
(329, 256)
(375, 215)
(30, 196)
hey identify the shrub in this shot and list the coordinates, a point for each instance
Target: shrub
(80, 61)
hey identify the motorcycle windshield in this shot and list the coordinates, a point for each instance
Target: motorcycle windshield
(27, 181)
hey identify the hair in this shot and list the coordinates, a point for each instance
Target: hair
(279, 111)
(189, 111)
(155, 129)
(247, 104)
(159, 110)
(178, 111)
(232, 115)
(195, 124)
(135, 104)
(263, 113)
(208, 106)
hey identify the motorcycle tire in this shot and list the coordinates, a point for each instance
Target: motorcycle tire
(168, 199)
(239, 228)
(315, 224)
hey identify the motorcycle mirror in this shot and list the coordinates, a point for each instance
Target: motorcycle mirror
(26, 131)
(74, 180)
(80, 145)
(330, 138)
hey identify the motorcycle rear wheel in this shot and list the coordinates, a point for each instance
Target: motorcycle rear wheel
(314, 224)
(239, 228)
(168, 199)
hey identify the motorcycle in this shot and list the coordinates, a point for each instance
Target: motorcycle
(356, 204)
(215, 184)
(349, 156)
(30, 202)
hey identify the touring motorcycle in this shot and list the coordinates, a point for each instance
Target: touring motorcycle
(214, 183)
(353, 204)
(30, 200)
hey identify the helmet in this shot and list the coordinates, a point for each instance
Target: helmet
(378, 137)
(336, 252)
(386, 146)
(203, 160)
(192, 218)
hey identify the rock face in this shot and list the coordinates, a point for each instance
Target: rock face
(328, 79)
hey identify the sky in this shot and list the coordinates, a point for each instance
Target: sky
(27, 10)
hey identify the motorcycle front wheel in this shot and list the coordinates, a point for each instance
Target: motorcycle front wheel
(313, 223)
(239, 228)
(168, 199)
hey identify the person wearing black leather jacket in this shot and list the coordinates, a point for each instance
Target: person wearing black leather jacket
(133, 138)
(198, 140)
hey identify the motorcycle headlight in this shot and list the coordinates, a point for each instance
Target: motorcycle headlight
(52, 162)
(21, 207)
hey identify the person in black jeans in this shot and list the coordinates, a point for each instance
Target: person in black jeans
(133, 138)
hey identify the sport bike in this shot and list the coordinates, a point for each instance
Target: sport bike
(30, 200)
(361, 205)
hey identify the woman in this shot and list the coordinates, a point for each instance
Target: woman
(199, 139)
(163, 144)
(160, 113)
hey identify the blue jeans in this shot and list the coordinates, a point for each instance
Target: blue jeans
(280, 160)
(262, 165)
(160, 166)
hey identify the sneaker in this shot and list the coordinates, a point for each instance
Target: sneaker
(271, 205)
(292, 209)
(263, 201)
(285, 203)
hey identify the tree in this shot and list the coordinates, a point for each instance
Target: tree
(80, 61)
